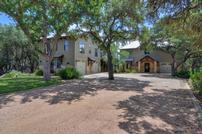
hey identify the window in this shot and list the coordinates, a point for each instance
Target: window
(57, 47)
(66, 45)
(58, 62)
(90, 51)
(146, 52)
(81, 47)
(96, 52)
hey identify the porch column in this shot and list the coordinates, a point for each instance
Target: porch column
(155, 67)
(139, 66)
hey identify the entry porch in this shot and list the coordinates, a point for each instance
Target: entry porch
(148, 65)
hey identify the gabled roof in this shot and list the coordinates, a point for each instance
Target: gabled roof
(91, 59)
(148, 55)
(131, 45)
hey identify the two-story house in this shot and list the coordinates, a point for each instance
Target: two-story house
(154, 61)
(81, 53)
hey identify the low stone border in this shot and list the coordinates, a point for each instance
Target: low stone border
(196, 105)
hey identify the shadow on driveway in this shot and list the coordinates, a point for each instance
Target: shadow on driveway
(165, 112)
(72, 90)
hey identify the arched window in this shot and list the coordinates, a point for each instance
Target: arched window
(81, 47)
(66, 45)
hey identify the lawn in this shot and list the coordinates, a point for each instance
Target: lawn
(24, 82)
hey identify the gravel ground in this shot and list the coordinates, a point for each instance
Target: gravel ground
(131, 104)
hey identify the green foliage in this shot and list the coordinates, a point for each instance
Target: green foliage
(183, 74)
(12, 74)
(10, 83)
(111, 21)
(131, 70)
(122, 69)
(39, 19)
(39, 72)
(196, 79)
(119, 57)
(69, 73)
(178, 41)
(15, 51)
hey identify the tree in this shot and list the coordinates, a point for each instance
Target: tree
(176, 41)
(109, 22)
(38, 19)
(15, 50)
(178, 23)
(119, 57)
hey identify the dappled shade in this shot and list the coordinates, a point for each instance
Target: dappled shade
(166, 112)
(72, 90)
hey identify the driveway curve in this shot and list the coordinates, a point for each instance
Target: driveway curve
(131, 104)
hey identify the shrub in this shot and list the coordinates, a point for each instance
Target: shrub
(183, 74)
(12, 74)
(69, 73)
(39, 72)
(131, 70)
(196, 79)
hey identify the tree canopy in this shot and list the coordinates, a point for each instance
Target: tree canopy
(38, 19)
(111, 21)
(15, 50)
(176, 22)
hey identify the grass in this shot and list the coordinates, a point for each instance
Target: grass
(24, 82)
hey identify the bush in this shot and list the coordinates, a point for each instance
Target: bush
(69, 73)
(196, 79)
(183, 74)
(12, 74)
(39, 72)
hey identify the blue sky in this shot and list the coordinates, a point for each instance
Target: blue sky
(4, 19)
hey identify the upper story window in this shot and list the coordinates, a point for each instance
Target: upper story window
(146, 52)
(57, 46)
(66, 45)
(96, 52)
(89, 51)
(81, 47)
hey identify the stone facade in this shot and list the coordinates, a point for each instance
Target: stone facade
(82, 54)
(155, 61)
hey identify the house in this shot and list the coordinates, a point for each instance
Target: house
(154, 61)
(81, 53)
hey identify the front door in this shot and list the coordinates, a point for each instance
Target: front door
(146, 67)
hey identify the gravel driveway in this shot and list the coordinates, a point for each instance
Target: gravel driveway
(132, 103)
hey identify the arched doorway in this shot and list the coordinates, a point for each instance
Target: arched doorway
(146, 67)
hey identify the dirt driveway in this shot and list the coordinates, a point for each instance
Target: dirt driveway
(133, 103)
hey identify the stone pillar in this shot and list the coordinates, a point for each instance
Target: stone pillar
(155, 67)
(139, 66)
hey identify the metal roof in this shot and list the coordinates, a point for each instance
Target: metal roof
(131, 45)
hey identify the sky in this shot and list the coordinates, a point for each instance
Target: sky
(4, 19)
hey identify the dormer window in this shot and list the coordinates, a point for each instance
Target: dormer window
(81, 47)
(66, 45)
(96, 52)
(146, 52)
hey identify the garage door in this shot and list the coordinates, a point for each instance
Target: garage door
(81, 67)
(165, 68)
(95, 68)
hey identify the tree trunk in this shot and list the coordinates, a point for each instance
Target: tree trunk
(46, 54)
(46, 68)
(173, 69)
(46, 59)
(110, 66)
